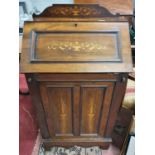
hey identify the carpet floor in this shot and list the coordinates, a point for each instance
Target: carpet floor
(28, 129)
(76, 150)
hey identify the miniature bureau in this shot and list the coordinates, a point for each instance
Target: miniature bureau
(77, 70)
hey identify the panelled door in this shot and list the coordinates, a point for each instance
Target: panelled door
(76, 108)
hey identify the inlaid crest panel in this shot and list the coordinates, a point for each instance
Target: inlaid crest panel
(76, 10)
(77, 47)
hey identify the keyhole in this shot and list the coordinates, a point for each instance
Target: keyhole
(75, 25)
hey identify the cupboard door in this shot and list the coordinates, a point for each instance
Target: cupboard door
(76, 109)
(58, 105)
(95, 106)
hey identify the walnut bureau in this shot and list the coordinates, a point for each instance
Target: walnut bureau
(76, 67)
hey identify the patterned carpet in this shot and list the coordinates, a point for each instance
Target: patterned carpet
(112, 150)
(72, 151)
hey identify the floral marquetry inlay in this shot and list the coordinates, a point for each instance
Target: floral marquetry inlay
(76, 46)
(76, 11)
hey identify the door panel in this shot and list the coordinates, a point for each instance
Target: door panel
(58, 105)
(95, 105)
(92, 101)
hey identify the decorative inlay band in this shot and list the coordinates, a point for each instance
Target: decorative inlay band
(76, 46)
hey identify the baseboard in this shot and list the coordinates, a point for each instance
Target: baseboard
(83, 142)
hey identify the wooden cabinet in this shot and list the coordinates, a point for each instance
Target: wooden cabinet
(77, 73)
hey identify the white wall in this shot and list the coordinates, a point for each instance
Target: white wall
(38, 6)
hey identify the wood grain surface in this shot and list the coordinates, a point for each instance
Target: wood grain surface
(92, 47)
